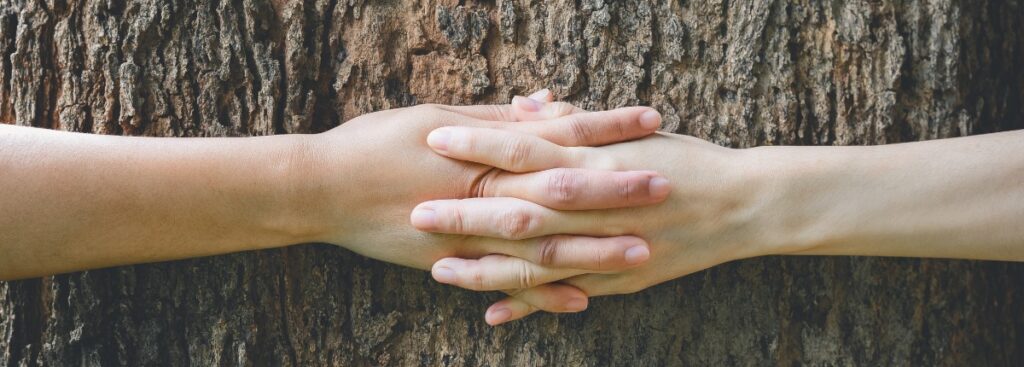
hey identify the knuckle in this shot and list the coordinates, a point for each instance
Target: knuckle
(602, 259)
(626, 188)
(621, 129)
(517, 153)
(581, 130)
(458, 219)
(564, 185)
(477, 279)
(548, 249)
(500, 113)
(485, 184)
(527, 277)
(516, 224)
(562, 109)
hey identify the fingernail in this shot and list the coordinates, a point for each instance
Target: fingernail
(650, 120)
(541, 96)
(637, 254)
(527, 104)
(659, 186)
(498, 316)
(438, 139)
(444, 275)
(576, 305)
(424, 218)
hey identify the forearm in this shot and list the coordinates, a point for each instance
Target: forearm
(952, 198)
(78, 201)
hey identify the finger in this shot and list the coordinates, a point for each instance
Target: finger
(511, 309)
(594, 128)
(506, 150)
(496, 272)
(529, 109)
(508, 218)
(548, 297)
(521, 109)
(538, 106)
(543, 95)
(580, 189)
(496, 113)
(552, 297)
(534, 107)
(600, 254)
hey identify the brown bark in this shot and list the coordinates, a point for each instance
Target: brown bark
(738, 73)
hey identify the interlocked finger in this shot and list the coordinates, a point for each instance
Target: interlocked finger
(579, 189)
(594, 128)
(506, 150)
(537, 106)
(551, 297)
(507, 218)
(497, 272)
(596, 254)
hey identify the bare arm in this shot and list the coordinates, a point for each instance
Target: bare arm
(953, 198)
(71, 201)
(75, 201)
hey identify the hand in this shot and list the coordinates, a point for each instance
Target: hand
(706, 221)
(398, 170)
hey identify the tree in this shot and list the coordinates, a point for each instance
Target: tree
(738, 73)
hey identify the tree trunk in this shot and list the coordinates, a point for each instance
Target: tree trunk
(738, 73)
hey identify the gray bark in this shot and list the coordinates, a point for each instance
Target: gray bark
(738, 73)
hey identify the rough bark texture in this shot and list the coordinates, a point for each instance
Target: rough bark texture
(739, 73)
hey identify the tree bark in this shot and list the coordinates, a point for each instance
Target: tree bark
(738, 73)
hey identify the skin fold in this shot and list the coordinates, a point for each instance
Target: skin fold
(138, 200)
(953, 198)
(539, 199)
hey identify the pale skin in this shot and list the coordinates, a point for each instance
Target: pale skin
(76, 201)
(957, 198)
(551, 214)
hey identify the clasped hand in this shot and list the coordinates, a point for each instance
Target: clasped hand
(541, 200)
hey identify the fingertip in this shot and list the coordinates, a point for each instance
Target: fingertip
(498, 314)
(527, 104)
(443, 274)
(634, 251)
(439, 139)
(424, 217)
(659, 187)
(650, 120)
(543, 95)
(577, 303)
(637, 255)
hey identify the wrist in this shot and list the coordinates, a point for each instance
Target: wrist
(794, 196)
(295, 201)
